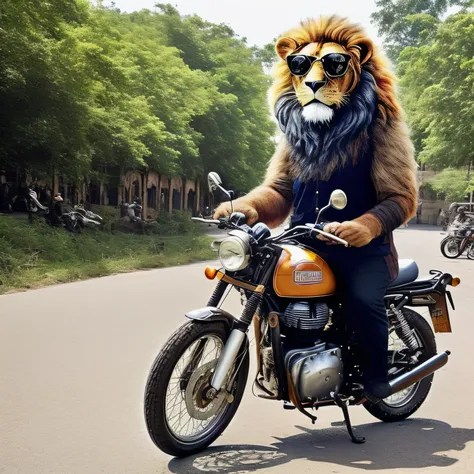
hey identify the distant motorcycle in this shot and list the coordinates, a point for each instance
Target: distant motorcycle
(460, 238)
(87, 218)
(71, 221)
(28, 204)
(134, 210)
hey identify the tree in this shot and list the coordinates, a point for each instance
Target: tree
(403, 23)
(84, 87)
(437, 82)
(453, 184)
(266, 54)
(236, 131)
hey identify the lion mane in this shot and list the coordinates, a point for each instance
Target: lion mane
(368, 113)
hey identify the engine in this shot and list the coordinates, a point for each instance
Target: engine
(316, 372)
(307, 316)
(313, 362)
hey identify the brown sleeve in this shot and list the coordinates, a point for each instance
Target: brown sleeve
(273, 199)
(394, 177)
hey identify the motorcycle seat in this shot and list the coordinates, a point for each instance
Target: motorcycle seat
(408, 272)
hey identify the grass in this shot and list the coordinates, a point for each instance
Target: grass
(36, 255)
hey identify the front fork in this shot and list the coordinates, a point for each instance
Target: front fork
(227, 358)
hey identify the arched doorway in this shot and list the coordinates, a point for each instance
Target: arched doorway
(191, 203)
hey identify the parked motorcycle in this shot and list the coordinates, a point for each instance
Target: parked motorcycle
(71, 221)
(306, 356)
(134, 210)
(87, 218)
(28, 204)
(460, 238)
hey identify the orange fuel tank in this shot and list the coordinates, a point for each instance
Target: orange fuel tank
(301, 273)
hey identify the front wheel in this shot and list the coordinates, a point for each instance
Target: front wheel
(450, 247)
(402, 404)
(180, 417)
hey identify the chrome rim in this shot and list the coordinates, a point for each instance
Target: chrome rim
(403, 397)
(452, 248)
(182, 398)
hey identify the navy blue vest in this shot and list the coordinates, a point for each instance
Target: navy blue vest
(356, 181)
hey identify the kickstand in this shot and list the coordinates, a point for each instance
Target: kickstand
(343, 406)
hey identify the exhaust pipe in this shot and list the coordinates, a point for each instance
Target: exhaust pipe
(422, 371)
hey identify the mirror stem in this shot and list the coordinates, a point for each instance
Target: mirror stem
(320, 212)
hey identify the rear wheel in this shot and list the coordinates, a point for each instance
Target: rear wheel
(180, 418)
(404, 403)
(450, 247)
(470, 252)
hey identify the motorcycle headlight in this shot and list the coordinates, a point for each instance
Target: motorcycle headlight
(234, 251)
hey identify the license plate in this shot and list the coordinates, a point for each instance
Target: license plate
(439, 313)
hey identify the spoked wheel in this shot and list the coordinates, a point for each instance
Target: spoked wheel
(470, 252)
(402, 404)
(450, 247)
(182, 414)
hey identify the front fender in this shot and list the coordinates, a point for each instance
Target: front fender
(211, 313)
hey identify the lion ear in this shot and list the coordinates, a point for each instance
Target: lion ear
(285, 46)
(366, 50)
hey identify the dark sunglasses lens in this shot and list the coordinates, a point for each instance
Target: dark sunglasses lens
(299, 65)
(335, 64)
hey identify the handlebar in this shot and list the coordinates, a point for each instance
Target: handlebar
(318, 228)
(206, 221)
(312, 228)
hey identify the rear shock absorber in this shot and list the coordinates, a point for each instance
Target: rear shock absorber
(403, 330)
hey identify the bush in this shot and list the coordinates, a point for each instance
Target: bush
(177, 224)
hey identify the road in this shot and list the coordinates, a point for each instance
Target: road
(74, 360)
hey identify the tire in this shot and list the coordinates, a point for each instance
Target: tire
(470, 252)
(388, 413)
(157, 385)
(444, 247)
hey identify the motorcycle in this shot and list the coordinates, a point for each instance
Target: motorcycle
(28, 204)
(134, 211)
(460, 237)
(87, 218)
(306, 356)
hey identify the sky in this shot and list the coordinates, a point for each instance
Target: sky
(260, 21)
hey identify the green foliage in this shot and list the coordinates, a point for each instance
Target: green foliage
(403, 23)
(453, 184)
(177, 224)
(84, 86)
(437, 82)
(34, 255)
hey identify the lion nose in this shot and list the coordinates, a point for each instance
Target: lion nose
(315, 85)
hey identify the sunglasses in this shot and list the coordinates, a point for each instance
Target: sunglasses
(334, 64)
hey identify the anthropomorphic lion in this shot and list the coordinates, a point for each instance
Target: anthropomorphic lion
(334, 98)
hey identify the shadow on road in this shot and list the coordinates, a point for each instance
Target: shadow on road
(416, 443)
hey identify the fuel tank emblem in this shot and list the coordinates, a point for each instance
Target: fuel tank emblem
(302, 277)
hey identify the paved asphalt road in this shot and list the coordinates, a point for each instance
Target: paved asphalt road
(74, 360)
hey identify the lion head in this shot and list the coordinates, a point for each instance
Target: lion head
(329, 87)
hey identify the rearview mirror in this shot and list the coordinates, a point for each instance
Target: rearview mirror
(338, 199)
(214, 181)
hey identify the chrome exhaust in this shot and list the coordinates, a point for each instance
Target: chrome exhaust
(420, 372)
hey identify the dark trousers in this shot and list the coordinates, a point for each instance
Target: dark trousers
(362, 283)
